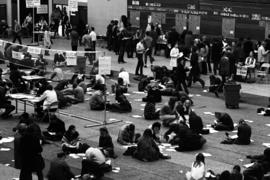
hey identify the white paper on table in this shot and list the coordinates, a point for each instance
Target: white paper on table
(209, 113)
(143, 105)
(136, 116)
(248, 165)
(266, 144)
(250, 121)
(126, 94)
(75, 156)
(4, 149)
(207, 154)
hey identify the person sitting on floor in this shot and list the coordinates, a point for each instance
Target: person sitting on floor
(4, 103)
(59, 169)
(184, 138)
(153, 93)
(105, 143)
(78, 93)
(187, 107)
(125, 76)
(196, 124)
(150, 112)
(216, 85)
(260, 167)
(119, 88)
(243, 134)
(224, 122)
(155, 127)
(95, 163)
(55, 130)
(60, 59)
(99, 83)
(236, 173)
(197, 168)
(127, 135)
(166, 113)
(71, 142)
(147, 149)
(122, 105)
(97, 101)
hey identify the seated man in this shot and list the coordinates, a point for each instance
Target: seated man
(78, 93)
(48, 98)
(55, 130)
(196, 124)
(4, 103)
(224, 122)
(105, 143)
(187, 107)
(166, 113)
(71, 142)
(127, 135)
(216, 85)
(153, 93)
(95, 163)
(150, 112)
(122, 105)
(119, 87)
(97, 101)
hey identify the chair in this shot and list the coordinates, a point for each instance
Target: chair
(52, 109)
(264, 70)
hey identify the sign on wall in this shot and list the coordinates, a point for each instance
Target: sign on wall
(32, 3)
(42, 9)
(73, 5)
(104, 65)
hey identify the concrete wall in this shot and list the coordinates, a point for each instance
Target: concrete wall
(101, 12)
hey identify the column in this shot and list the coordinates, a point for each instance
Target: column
(18, 11)
(9, 13)
(50, 5)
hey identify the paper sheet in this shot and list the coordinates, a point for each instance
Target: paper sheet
(250, 121)
(126, 94)
(209, 113)
(205, 91)
(138, 92)
(138, 100)
(143, 105)
(136, 116)
(4, 149)
(266, 144)
(198, 95)
(75, 156)
(170, 150)
(207, 154)
(248, 165)
(7, 140)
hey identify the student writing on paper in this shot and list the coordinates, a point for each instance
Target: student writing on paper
(127, 135)
(105, 143)
(121, 106)
(224, 122)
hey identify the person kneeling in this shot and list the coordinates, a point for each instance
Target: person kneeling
(122, 106)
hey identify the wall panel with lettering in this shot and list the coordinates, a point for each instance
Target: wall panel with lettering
(180, 22)
(134, 17)
(194, 23)
(228, 27)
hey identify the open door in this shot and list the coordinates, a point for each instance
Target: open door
(228, 27)
(194, 24)
(180, 22)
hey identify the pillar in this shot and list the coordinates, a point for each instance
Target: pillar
(50, 6)
(9, 13)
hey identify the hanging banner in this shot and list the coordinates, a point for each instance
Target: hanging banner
(32, 3)
(73, 5)
(42, 9)
(17, 55)
(104, 65)
(34, 50)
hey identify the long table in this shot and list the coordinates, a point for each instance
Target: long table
(23, 98)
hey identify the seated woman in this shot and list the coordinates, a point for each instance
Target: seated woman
(60, 59)
(155, 127)
(55, 130)
(147, 150)
(166, 113)
(224, 122)
(122, 105)
(197, 169)
(150, 112)
(243, 134)
(184, 138)
(196, 124)
(71, 141)
(105, 143)
(127, 135)
(97, 101)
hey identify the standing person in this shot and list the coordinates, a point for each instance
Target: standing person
(197, 169)
(59, 169)
(93, 37)
(139, 51)
(224, 69)
(109, 35)
(262, 53)
(148, 40)
(115, 41)
(47, 40)
(181, 75)
(87, 42)
(123, 37)
(20, 131)
(17, 32)
(195, 69)
(216, 54)
(32, 160)
(174, 56)
(74, 38)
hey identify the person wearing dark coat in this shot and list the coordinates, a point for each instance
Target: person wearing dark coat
(61, 85)
(224, 122)
(260, 167)
(4, 103)
(105, 142)
(32, 160)
(97, 101)
(55, 130)
(150, 112)
(181, 76)
(236, 173)
(243, 133)
(224, 68)
(195, 68)
(20, 131)
(216, 54)
(196, 124)
(59, 169)
(147, 149)
(122, 105)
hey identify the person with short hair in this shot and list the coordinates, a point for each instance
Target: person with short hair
(236, 173)
(155, 127)
(125, 76)
(105, 143)
(127, 134)
(224, 122)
